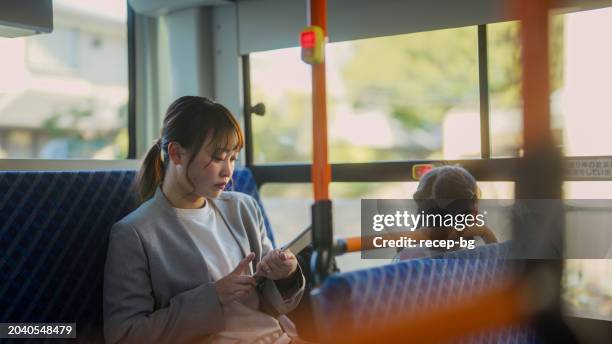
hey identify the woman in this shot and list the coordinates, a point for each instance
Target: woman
(181, 268)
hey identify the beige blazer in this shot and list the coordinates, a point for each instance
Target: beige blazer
(156, 284)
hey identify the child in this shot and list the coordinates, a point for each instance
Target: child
(447, 190)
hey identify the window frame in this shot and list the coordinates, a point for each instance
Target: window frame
(131, 42)
(486, 168)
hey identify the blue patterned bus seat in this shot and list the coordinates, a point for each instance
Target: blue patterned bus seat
(54, 229)
(371, 297)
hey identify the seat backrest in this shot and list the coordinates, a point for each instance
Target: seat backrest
(372, 297)
(54, 229)
(243, 181)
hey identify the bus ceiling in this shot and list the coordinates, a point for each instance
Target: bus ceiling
(381, 17)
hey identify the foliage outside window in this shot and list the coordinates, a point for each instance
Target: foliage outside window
(389, 98)
(505, 84)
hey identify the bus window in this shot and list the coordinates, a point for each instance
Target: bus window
(588, 282)
(496, 190)
(412, 96)
(583, 98)
(64, 95)
(281, 199)
(504, 88)
(281, 81)
(347, 203)
(580, 75)
(587, 288)
(504, 56)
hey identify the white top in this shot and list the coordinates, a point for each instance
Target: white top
(243, 320)
(214, 240)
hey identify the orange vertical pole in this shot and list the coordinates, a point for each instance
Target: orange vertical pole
(535, 70)
(321, 171)
(540, 173)
(322, 234)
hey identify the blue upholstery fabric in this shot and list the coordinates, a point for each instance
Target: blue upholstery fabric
(53, 235)
(243, 181)
(54, 229)
(380, 295)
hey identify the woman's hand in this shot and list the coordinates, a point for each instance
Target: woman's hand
(236, 284)
(277, 265)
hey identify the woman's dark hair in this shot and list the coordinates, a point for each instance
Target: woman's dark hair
(191, 121)
(447, 190)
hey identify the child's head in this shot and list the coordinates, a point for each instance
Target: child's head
(447, 182)
(447, 190)
(196, 131)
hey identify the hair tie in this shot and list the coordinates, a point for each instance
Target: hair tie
(159, 145)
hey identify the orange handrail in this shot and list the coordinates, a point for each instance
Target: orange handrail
(364, 243)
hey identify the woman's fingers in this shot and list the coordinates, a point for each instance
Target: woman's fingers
(289, 253)
(236, 284)
(284, 261)
(245, 279)
(237, 295)
(244, 263)
(276, 264)
(263, 267)
(238, 291)
(286, 255)
(240, 294)
(241, 287)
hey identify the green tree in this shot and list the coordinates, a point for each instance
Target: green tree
(415, 77)
(283, 133)
(505, 60)
(418, 77)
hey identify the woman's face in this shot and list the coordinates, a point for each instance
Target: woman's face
(210, 171)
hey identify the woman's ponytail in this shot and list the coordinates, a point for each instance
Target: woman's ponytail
(151, 172)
